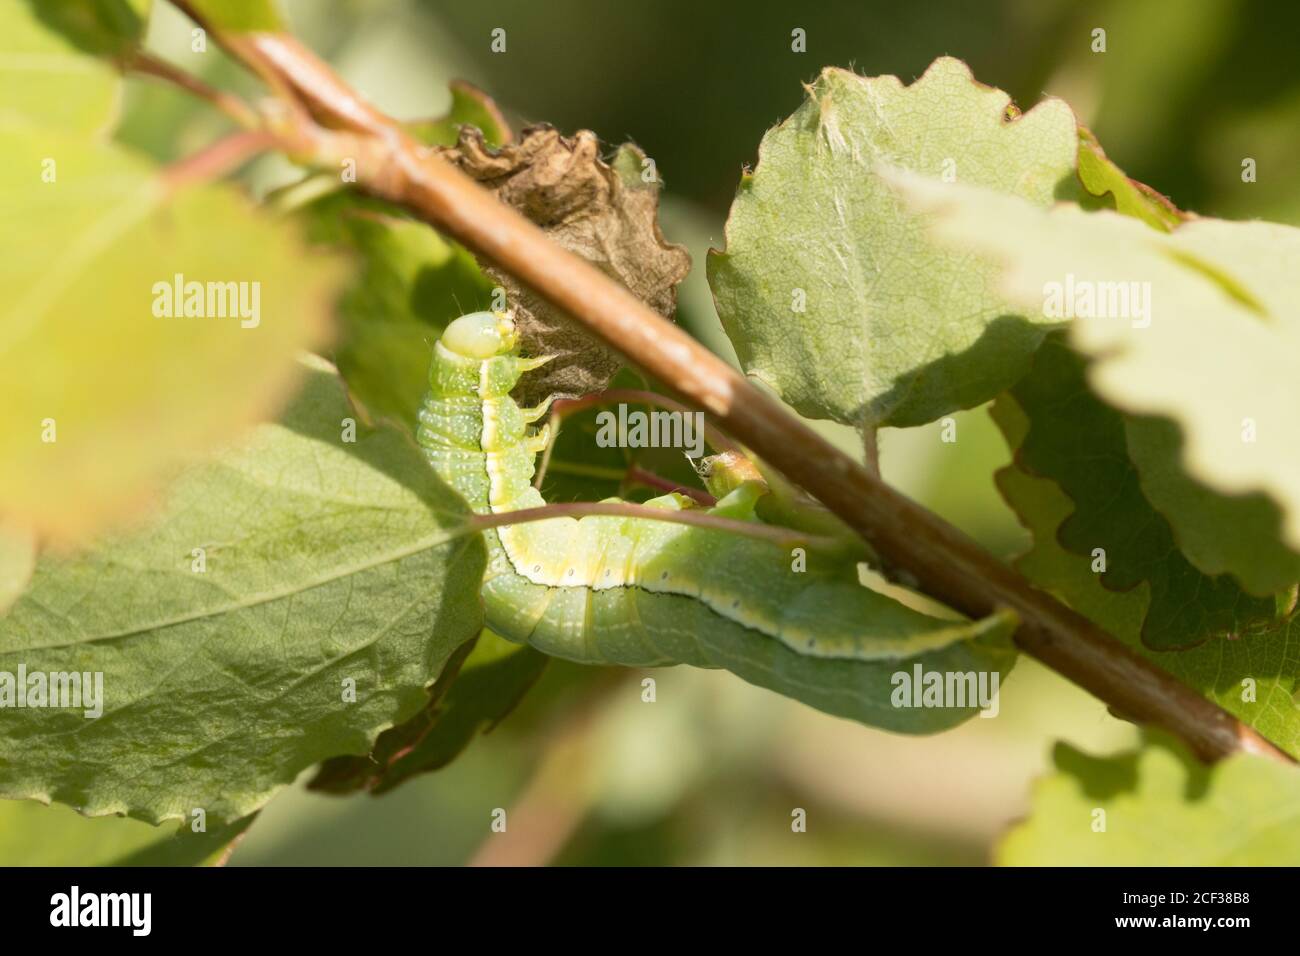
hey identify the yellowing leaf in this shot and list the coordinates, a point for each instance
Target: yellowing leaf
(17, 559)
(109, 377)
(35, 835)
(49, 73)
(1160, 807)
(240, 16)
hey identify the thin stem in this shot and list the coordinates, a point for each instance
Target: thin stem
(218, 159)
(246, 48)
(914, 543)
(784, 537)
(871, 448)
(636, 475)
(234, 107)
(553, 424)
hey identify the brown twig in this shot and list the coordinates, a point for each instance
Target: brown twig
(915, 544)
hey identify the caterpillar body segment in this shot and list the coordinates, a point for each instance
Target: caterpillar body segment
(640, 592)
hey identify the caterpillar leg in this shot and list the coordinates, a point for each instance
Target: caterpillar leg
(535, 412)
(528, 364)
(538, 440)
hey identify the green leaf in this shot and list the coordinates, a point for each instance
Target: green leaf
(1201, 327)
(34, 835)
(17, 561)
(1079, 442)
(468, 699)
(894, 329)
(54, 69)
(108, 383)
(1219, 534)
(108, 28)
(1103, 179)
(1253, 678)
(226, 670)
(240, 16)
(470, 106)
(1161, 808)
(410, 284)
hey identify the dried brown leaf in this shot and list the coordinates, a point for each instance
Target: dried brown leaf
(604, 212)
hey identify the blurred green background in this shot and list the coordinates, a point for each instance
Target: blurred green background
(711, 771)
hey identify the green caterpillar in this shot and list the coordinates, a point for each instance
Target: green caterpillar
(644, 593)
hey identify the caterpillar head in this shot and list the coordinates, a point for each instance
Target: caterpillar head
(481, 335)
(476, 356)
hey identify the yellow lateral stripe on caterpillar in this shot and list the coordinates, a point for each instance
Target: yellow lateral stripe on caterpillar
(554, 583)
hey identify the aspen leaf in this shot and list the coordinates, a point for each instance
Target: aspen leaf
(326, 560)
(1163, 808)
(55, 62)
(896, 329)
(1208, 342)
(1217, 667)
(111, 378)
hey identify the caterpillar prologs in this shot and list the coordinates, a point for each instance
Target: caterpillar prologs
(641, 592)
